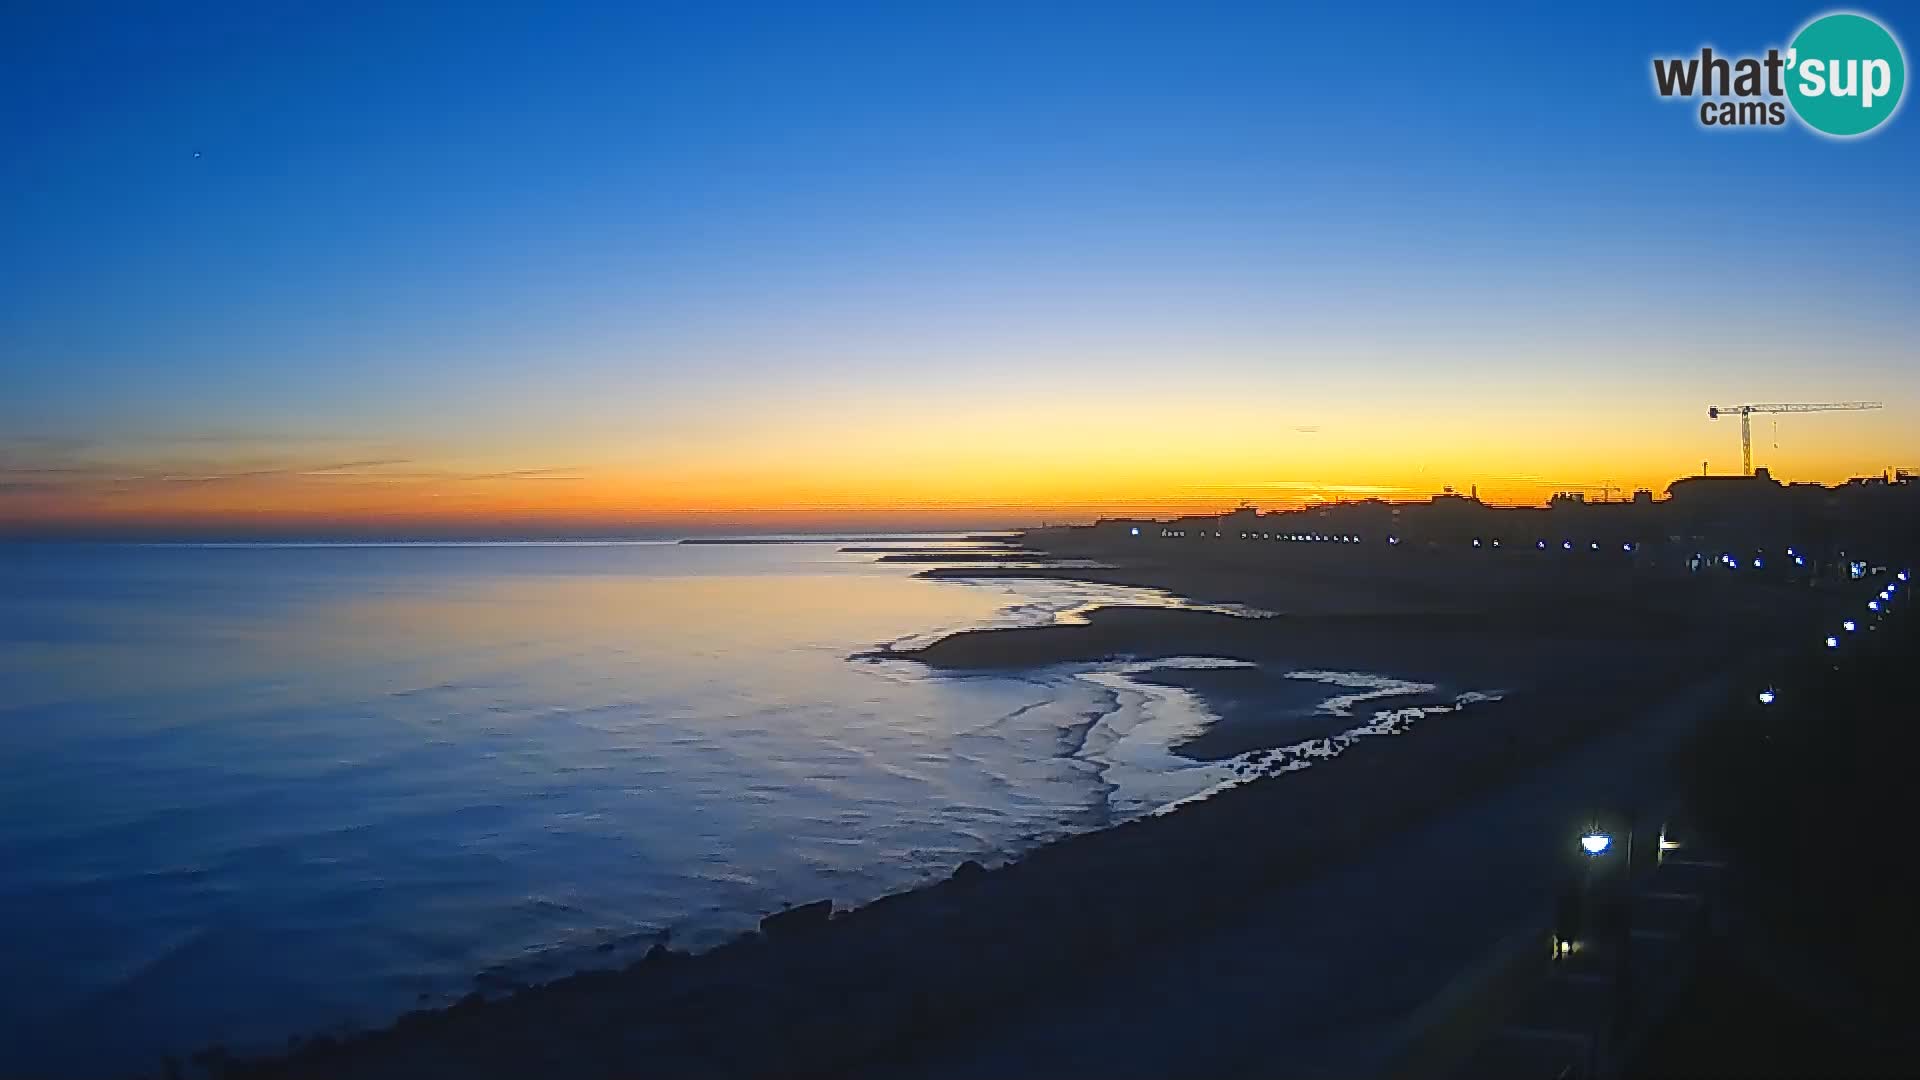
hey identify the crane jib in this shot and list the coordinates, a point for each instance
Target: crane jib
(1745, 412)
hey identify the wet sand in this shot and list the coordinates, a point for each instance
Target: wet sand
(1259, 709)
(875, 985)
(874, 990)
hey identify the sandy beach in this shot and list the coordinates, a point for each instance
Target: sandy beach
(876, 988)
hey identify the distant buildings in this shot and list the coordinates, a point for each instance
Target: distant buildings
(1719, 514)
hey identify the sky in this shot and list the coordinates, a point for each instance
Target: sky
(313, 267)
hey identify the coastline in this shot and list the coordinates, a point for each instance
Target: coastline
(856, 991)
(862, 988)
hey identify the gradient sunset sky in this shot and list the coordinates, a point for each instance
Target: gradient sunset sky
(686, 266)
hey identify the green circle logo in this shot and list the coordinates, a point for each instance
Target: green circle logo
(1845, 74)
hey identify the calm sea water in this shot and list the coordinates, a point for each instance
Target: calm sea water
(251, 791)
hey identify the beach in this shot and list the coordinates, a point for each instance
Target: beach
(918, 981)
(406, 772)
(940, 541)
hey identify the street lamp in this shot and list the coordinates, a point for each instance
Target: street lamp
(1849, 626)
(1833, 642)
(1767, 696)
(1596, 842)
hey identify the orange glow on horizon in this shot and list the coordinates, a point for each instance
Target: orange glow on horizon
(793, 469)
(607, 502)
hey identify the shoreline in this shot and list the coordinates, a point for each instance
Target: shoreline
(863, 987)
(856, 990)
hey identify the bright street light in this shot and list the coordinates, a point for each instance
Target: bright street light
(1766, 697)
(1849, 626)
(1833, 642)
(1595, 842)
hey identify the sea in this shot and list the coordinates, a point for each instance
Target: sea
(251, 791)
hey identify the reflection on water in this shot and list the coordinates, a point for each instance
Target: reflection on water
(248, 791)
(393, 767)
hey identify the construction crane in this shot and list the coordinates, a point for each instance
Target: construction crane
(1745, 412)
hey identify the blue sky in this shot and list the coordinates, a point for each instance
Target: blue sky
(581, 232)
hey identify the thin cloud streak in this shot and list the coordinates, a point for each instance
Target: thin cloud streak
(1341, 489)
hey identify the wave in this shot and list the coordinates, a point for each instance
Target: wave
(1259, 764)
(1134, 744)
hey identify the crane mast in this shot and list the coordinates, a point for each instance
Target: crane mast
(1746, 412)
